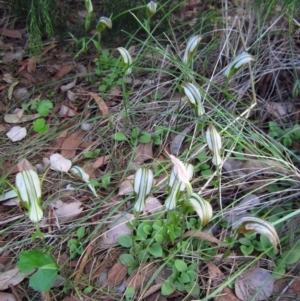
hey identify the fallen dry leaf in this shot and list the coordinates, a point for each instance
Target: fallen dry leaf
(126, 187)
(100, 102)
(116, 275)
(25, 165)
(59, 163)
(62, 72)
(66, 111)
(7, 297)
(152, 205)
(178, 140)
(14, 118)
(101, 161)
(254, 284)
(71, 144)
(154, 288)
(66, 212)
(14, 34)
(143, 153)
(11, 277)
(202, 235)
(71, 95)
(8, 78)
(31, 65)
(20, 92)
(141, 276)
(68, 86)
(227, 295)
(16, 133)
(215, 274)
(280, 109)
(117, 228)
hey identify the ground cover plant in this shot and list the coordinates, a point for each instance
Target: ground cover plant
(164, 167)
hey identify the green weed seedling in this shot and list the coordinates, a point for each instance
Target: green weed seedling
(102, 23)
(92, 154)
(107, 68)
(43, 108)
(183, 279)
(75, 245)
(287, 258)
(137, 136)
(46, 267)
(129, 293)
(284, 136)
(202, 166)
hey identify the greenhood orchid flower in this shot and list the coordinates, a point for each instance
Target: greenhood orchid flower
(191, 48)
(143, 181)
(250, 224)
(29, 192)
(185, 173)
(202, 207)
(103, 22)
(237, 63)
(214, 143)
(151, 9)
(126, 58)
(194, 97)
(79, 172)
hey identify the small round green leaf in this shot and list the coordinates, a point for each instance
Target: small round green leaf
(125, 241)
(126, 259)
(119, 137)
(80, 232)
(184, 277)
(42, 280)
(145, 137)
(155, 250)
(247, 250)
(291, 256)
(129, 293)
(167, 289)
(180, 265)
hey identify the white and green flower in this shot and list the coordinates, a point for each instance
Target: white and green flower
(214, 143)
(178, 182)
(143, 181)
(79, 172)
(126, 58)
(29, 192)
(191, 48)
(202, 207)
(237, 63)
(151, 9)
(193, 95)
(103, 22)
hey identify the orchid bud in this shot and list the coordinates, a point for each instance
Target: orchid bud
(202, 207)
(103, 23)
(79, 172)
(143, 181)
(29, 192)
(237, 63)
(214, 143)
(194, 97)
(191, 47)
(88, 6)
(185, 172)
(151, 9)
(126, 58)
